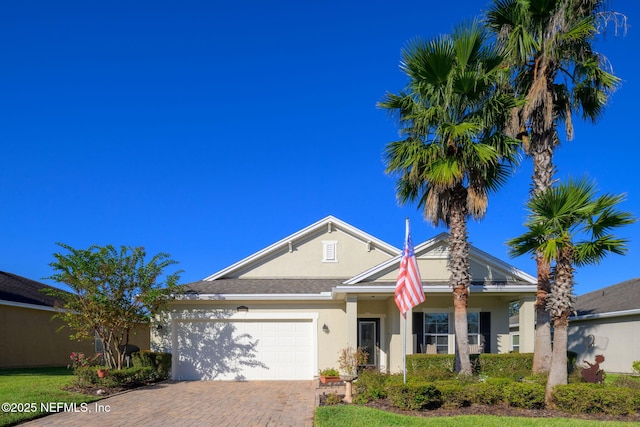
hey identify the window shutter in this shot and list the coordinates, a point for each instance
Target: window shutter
(418, 329)
(485, 330)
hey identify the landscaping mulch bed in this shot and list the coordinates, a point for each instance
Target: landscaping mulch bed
(498, 410)
(95, 390)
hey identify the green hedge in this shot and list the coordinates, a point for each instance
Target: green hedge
(596, 398)
(414, 396)
(88, 375)
(431, 367)
(160, 362)
(510, 365)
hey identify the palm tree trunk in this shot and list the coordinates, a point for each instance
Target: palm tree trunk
(541, 151)
(558, 372)
(460, 279)
(542, 352)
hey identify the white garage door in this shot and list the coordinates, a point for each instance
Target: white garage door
(244, 350)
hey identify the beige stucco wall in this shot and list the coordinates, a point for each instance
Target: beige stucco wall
(29, 337)
(616, 338)
(305, 258)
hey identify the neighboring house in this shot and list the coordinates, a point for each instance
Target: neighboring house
(607, 322)
(286, 311)
(29, 336)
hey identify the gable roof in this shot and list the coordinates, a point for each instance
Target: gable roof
(623, 296)
(434, 245)
(327, 222)
(19, 289)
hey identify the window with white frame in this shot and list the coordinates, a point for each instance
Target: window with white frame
(436, 331)
(473, 323)
(329, 251)
(515, 343)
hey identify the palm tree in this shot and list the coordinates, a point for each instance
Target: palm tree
(452, 152)
(569, 226)
(557, 72)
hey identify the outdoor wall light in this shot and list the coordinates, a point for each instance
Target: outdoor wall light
(243, 308)
(325, 328)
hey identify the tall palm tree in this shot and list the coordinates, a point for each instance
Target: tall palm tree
(452, 152)
(570, 226)
(557, 72)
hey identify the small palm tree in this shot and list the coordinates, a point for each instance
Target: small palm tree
(570, 226)
(558, 72)
(453, 152)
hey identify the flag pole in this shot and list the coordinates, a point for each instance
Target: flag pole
(404, 351)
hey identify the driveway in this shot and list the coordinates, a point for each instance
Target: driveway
(198, 403)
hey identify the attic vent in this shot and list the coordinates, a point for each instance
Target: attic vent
(329, 251)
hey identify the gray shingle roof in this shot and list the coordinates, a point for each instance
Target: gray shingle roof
(262, 286)
(620, 297)
(285, 286)
(16, 288)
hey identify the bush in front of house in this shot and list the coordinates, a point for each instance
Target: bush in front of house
(371, 385)
(160, 362)
(431, 367)
(454, 394)
(596, 398)
(524, 395)
(414, 396)
(511, 365)
(88, 376)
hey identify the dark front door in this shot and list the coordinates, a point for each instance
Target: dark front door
(369, 339)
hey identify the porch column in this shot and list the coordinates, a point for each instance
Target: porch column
(527, 324)
(352, 321)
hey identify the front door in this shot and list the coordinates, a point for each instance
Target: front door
(369, 340)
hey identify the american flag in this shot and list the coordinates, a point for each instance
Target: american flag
(409, 292)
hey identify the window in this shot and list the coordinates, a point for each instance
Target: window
(473, 322)
(436, 331)
(515, 343)
(329, 251)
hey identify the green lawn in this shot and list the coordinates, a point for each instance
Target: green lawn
(362, 416)
(27, 389)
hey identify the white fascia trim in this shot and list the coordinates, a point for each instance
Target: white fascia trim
(284, 242)
(621, 313)
(255, 297)
(244, 316)
(31, 306)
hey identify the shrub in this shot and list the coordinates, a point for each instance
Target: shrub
(636, 366)
(414, 396)
(333, 399)
(524, 395)
(626, 381)
(87, 375)
(510, 365)
(596, 398)
(160, 362)
(454, 394)
(370, 385)
(486, 393)
(431, 367)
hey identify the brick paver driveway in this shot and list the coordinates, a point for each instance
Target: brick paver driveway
(199, 403)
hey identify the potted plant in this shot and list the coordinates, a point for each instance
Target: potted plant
(102, 371)
(349, 361)
(329, 375)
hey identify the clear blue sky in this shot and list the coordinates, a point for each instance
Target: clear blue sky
(211, 129)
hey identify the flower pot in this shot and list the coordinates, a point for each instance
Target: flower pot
(326, 379)
(102, 373)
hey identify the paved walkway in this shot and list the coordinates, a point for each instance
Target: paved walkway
(199, 403)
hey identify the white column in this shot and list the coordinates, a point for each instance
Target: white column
(352, 321)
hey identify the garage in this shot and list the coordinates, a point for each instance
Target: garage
(249, 349)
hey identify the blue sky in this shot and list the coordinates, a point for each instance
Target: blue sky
(211, 129)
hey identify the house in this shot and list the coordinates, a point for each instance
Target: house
(606, 322)
(286, 311)
(29, 335)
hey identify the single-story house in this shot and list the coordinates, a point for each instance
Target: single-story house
(607, 322)
(29, 335)
(286, 311)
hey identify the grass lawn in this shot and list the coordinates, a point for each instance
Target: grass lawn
(361, 416)
(27, 389)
